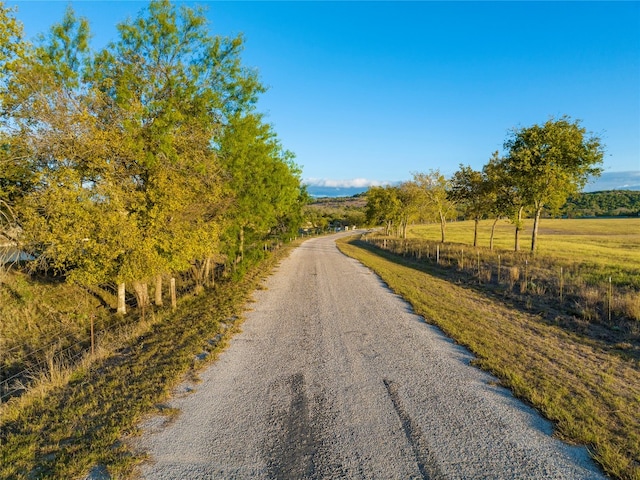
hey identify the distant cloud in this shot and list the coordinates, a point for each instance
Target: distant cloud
(615, 181)
(353, 183)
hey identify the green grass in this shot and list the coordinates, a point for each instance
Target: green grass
(596, 260)
(611, 246)
(591, 394)
(64, 431)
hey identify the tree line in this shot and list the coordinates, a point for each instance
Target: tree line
(543, 166)
(612, 203)
(140, 160)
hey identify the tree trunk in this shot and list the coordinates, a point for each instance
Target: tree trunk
(493, 229)
(122, 306)
(443, 226)
(241, 244)
(142, 294)
(208, 272)
(518, 224)
(197, 270)
(475, 232)
(536, 223)
(172, 287)
(158, 292)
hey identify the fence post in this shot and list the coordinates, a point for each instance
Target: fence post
(158, 291)
(610, 294)
(499, 265)
(122, 307)
(93, 338)
(172, 284)
(561, 284)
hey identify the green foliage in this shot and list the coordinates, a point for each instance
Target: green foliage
(383, 206)
(15, 178)
(473, 194)
(547, 163)
(137, 160)
(12, 45)
(264, 183)
(602, 204)
(434, 198)
(325, 214)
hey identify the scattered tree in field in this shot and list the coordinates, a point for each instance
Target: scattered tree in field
(548, 163)
(506, 200)
(470, 190)
(433, 199)
(383, 207)
(408, 194)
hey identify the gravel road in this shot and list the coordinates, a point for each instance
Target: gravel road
(333, 376)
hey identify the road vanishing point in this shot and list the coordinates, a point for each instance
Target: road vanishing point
(334, 376)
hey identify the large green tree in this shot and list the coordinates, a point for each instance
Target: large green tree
(126, 179)
(264, 183)
(383, 207)
(547, 163)
(15, 177)
(502, 197)
(470, 190)
(53, 136)
(173, 88)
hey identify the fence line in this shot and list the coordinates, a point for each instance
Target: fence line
(594, 302)
(56, 354)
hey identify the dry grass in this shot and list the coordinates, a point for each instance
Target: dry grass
(591, 393)
(62, 429)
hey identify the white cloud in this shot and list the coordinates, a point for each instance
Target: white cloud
(615, 181)
(352, 183)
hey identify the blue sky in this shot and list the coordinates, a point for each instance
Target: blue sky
(369, 92)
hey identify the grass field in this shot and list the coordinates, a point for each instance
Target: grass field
(612, 245)
(596, 262)
(590, 392)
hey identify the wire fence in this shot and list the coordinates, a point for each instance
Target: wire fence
(599, 300)
(67, 340)
(23, 365)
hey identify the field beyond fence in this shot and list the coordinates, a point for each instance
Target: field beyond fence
(586, 268)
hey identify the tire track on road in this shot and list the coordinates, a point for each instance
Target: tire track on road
(426, 462)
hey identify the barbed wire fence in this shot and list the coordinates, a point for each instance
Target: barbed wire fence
(520, 273)
(22, 366)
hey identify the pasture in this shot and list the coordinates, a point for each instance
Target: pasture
(597, 247)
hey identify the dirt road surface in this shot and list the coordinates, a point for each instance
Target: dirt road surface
(333, 376)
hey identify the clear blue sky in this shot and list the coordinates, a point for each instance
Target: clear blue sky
(377, 90)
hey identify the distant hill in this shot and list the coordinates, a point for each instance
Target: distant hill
(333, 192)
(607, 203)
(610, 203)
